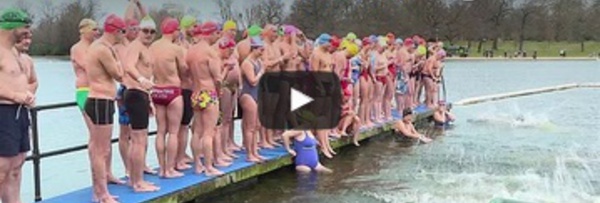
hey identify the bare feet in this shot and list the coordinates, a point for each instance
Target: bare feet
(213, 172)
(267, 146)
(253, 159)
(356, 143)
(234, 147)
(112, 180)
(172, 173)
(222, 163)
(188, 159)
(425, 139)
(199, 169)
(149, 170)
(107, 199)
(326, 153)
(182, 166)
(144, 187)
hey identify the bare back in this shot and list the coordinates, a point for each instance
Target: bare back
(204, 66)
(168, 58)
(78, 59)
(243, 49)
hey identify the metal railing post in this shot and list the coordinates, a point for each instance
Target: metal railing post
(36, 154)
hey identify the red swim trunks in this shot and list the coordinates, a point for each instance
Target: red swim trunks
(165, 95)
(392, 70)
(381, 79)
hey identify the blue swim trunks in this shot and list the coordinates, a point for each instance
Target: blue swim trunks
(401, 85)
(123, 116)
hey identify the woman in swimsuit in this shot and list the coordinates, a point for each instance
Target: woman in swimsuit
(349, 119)
(252, 71)
(365, 83)
(305, 151)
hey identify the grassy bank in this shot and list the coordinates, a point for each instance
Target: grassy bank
(544, 49)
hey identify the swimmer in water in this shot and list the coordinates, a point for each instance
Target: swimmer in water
(442, 116)
(305, 151)
(406, 127)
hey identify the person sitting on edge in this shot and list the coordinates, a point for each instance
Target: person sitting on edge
(304, 151)
(349, 118)
(442, 116)
(406, 127)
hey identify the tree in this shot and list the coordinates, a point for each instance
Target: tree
(225, 9)
(523, 15)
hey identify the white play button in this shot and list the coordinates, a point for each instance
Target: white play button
(298, 99)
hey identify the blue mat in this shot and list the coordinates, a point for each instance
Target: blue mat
(168, 186)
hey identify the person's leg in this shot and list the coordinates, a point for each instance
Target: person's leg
(228, 106)
(322, 169)
(182, 142)
(221, 160)
(231, 145)
(364, 92)
(137, 153)
(249, 128)
(12, 186)
(303, 169)
(195, 142)
(99, 147)
(4, 171)
(355, 127)
(124, 142)
(174, 114)
(161, 133)
(210, 115)
(323, 141)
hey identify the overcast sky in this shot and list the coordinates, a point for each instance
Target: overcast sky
(208, 9)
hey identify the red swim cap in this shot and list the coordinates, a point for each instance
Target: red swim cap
(169, 26)
(409, 42)
(114, 23)
(335, 42)
(208, 28)
(366, 41)
(226, 43)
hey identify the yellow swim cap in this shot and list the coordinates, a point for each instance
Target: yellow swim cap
(187, 22)
(352, 49)
(87, 25)
(421, 50)
(229, 25)
(344, 44)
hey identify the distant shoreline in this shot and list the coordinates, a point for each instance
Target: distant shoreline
(522, 59)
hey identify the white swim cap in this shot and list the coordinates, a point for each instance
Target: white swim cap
(147, 22)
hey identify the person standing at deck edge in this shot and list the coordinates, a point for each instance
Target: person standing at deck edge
(103, 68)
(15, 99)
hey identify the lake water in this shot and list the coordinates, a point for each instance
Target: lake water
(552, 155)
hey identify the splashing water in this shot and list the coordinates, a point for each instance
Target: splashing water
(515, 119)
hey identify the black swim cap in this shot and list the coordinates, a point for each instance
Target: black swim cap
(406, 112)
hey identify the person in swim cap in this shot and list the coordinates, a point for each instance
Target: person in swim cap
(252, 71)
(166, 94)
(406, 127)
(187, 26)
(208, 78)
(102, 56)
(230, 29)
(133, 27)
(351, 36)
(89, 28)
(17, 98)
(442, 116)
(243, 48)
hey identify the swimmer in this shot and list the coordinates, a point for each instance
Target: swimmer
(103, 68)
(138, 73)
(322, 61)
(406, 127)
(252, 71)
(349, 118)
(169, 60)
(365, 82)
(442, 116)
(389, 90)
(206, 68)
(305, 151)
(406, 58)
(243, 47)
(380, 63)
(431, 77)
(16, 98)
(228, 98)
(185, 40)
(273, 60)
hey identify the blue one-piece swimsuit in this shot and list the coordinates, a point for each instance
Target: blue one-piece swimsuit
(306, 152)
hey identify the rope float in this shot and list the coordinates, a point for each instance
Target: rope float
(494, 97)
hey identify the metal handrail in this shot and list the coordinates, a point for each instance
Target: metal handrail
(36, 156)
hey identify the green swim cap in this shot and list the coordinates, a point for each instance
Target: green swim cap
(187, 22)
(421, 50)
(351, 36)
(254, 31)
(13, 18)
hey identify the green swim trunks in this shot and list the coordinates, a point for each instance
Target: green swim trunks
(81, 95)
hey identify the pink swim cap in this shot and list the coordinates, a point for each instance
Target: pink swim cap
(169, 26)
(114, 23)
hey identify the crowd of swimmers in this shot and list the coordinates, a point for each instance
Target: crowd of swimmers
(191, 81)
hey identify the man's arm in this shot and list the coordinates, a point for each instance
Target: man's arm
(133, 8)
(181, 61)
(106, 56)
(214, 67)
(33, 80)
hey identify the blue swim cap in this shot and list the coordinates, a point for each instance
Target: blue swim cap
(399, 41)
(323, 39)
(373, 38)
(256, 41)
